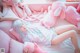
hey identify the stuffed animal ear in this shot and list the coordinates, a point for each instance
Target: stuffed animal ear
(62, 14)
(49, 8)
(57, 11)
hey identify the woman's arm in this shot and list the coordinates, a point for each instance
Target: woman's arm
(8, 19)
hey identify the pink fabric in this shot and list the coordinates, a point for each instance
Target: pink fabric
(38, 49)
(4, 41)
(78, 8)
(72, 15)
(57, 10)
(32, 48)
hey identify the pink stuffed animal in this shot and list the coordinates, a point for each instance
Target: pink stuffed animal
(32, 48)
(57, 10)
(72, 16)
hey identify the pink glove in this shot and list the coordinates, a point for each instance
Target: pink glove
(32, 48)
(28, 47)
(38, 49)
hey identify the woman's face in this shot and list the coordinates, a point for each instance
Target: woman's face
(23, 28)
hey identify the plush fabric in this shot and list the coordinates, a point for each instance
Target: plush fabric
(57, 10)
(72, 15)
(16, 47)
(33, 48)
(28, 46)
(4, 41)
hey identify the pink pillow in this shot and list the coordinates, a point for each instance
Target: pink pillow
(78, 8)
(16, 47)
(4, 41)
(57, 10)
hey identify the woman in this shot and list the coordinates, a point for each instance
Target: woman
(68, 32)
(64, 32)
(41, 35)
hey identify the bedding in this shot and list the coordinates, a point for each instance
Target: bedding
(65, 47)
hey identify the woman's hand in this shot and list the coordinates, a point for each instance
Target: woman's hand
(1, 19)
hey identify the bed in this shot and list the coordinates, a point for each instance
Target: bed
(64, 47)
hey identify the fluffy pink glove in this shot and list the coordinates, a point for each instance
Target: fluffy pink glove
(38, 49)
(32, 48)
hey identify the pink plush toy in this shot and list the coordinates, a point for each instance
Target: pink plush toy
(32, 48)
(72, 16)
(57, 10)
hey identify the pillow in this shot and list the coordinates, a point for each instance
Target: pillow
(78, 8)
(4, 41)
(16, 47)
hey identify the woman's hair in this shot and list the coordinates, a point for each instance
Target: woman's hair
(17, 23)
